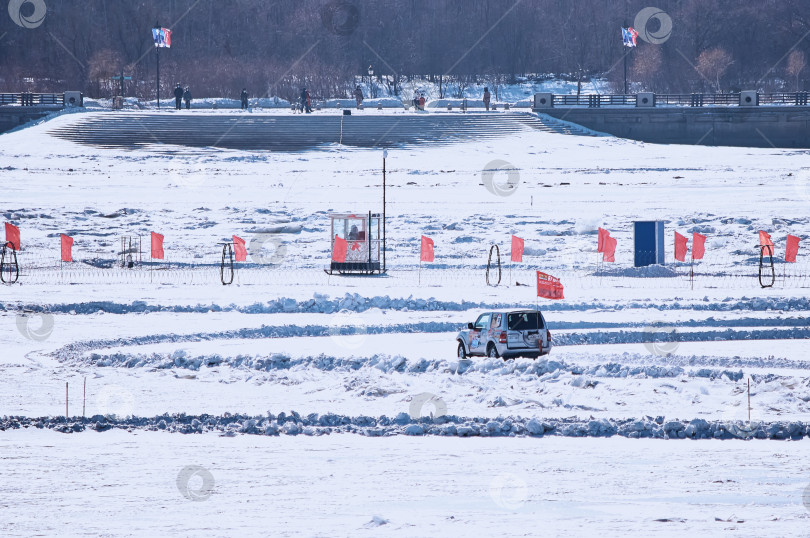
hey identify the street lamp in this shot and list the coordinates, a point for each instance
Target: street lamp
(371, 81)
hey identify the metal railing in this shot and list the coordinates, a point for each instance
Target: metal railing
(679, 99)
(32, 99)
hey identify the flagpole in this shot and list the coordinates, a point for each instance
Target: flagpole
(625, 72)
(692, 270)
(385, 154)
(157, 89)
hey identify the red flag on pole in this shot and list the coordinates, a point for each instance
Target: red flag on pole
(67, 245)
(680, 247)
(517, 249)
(239, 250)
(549, 286)
(792, 248)
(765, 241)
(157, 246)
(426, 252)
(698, 246)
(13, 236)
(600, 242)
(339, 249)
(609, 250)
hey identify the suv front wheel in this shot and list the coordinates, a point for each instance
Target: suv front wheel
(462, 354)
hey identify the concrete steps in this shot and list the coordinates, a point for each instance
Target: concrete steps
(295, 132)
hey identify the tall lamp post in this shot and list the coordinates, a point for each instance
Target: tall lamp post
(157, 88)
(371, 81)
(385, 154)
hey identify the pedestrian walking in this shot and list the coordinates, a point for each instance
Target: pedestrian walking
(358, 96)
(487, 98)
(178, 96)
(187, 97)
(244, 97)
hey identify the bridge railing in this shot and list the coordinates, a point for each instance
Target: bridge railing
(679, 99)
(32, 99)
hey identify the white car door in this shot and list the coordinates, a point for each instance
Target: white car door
(478, 335)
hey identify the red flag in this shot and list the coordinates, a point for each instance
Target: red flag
(339, 249)
(609, 249)
(600, 242)
(792, 248)
(426, 253)
(157, 246)
(698, 246)
(67, 245)
(13, 236)
(680, 247)
(549, 286)
(239, 250)
(765, 241)
(517, 249)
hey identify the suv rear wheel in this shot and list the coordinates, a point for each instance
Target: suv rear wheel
(492, 352)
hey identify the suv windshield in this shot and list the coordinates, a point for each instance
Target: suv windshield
(525, 321)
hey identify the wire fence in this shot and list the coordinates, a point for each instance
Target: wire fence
(581, 270)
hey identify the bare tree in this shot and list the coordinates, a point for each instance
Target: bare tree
(647, 67)
(713, 64)
(795, 65)
(102, 66)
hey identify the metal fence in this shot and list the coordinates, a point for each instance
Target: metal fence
(32, 99)
(685, 99)
(583, 270)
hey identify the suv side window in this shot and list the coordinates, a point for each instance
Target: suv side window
(496, 321)
(481, 323)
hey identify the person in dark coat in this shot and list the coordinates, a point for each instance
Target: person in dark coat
(486, 98)
(244, 97)
(305, 102)
(187, 98)
(178, 96)
(358, 96)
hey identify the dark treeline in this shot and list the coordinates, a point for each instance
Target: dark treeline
(274, 47)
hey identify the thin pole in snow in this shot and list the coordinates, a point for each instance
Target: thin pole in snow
(692, 272)
(420, 269)
(749, 399)
(66, 400)
(84, 397)
(385, 154)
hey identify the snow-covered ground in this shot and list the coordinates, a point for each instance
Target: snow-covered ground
(638, 353)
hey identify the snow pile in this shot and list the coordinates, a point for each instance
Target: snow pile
(452, 425)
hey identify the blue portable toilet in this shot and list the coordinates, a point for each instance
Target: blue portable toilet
(648, 242)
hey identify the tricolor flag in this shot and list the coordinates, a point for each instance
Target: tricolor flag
(629, 36)
(162, 37)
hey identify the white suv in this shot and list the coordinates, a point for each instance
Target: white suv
(519, 333)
